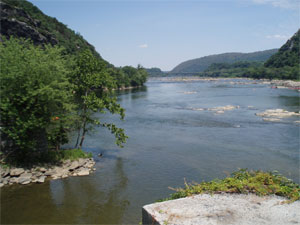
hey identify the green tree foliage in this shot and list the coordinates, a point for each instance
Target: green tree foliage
(92, 87)
(156, 72)
(57, 33)
(129, 76)
(229, 70)
(288, 54)
(36, 100)
(46, 96)
(254, 70)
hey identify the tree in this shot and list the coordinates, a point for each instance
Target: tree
(36, 99)
(92, 86)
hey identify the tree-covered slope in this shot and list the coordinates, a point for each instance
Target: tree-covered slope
(155, 72)
(201, 64)
(285, 64)
(22, 19)
(288, 54)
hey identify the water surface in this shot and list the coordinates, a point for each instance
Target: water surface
(168, 142)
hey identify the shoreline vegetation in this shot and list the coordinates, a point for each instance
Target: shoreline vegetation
(243, 182)
(47, 96)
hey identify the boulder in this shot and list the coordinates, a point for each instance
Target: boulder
(90, 165)
(41, 179)
(23, 180)
(4, 180)
(82, 162)
(16, 171)
(42, 169)
(4, 172)
(26, 175)
(50, 172)
(59, 172)
(83, 172)
(13, 180)
(74, 165)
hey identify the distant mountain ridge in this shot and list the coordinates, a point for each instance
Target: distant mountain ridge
(201, 64)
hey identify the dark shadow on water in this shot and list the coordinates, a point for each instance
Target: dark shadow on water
(74, 200)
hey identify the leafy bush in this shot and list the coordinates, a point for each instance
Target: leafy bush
(36, 98)
(244, 182)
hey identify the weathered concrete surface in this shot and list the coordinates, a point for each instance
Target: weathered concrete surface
(226, 209)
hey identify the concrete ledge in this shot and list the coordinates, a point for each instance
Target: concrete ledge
(233, 209)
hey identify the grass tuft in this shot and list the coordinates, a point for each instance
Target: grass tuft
(243, 182)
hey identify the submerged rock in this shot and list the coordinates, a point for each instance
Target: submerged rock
(271, 119)
(279, 113)
(218, 110)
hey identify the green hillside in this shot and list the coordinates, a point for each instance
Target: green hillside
(21, 19)
(285, 64)
(201, 64)
(288, 54)
(155, 72)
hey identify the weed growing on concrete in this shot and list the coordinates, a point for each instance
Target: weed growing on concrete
(244, 182)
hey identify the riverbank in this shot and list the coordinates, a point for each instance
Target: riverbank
(291, 84)
(39, 174)
(246, 197)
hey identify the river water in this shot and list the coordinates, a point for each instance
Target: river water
(169, 142)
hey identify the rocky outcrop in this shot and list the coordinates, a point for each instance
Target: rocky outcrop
(28, 28)
(81, 167)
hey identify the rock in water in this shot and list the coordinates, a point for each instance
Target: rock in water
(41, 179)
(16, 171)
(83, 172)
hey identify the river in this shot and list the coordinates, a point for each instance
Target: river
(169, 142)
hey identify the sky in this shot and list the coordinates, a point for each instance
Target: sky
(164, 33)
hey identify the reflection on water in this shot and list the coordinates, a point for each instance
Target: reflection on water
(72, 201)
(168, 142)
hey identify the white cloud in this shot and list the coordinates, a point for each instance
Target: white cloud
(278, 36)
(143, 46)
(286, 4)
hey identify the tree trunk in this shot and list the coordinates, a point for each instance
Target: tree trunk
(84, 121)
(78, 136)
(83, 133)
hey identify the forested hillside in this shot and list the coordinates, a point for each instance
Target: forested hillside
(288, 54)
(201, 64)
(285, 64)
(21, 19)
(156, 72)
